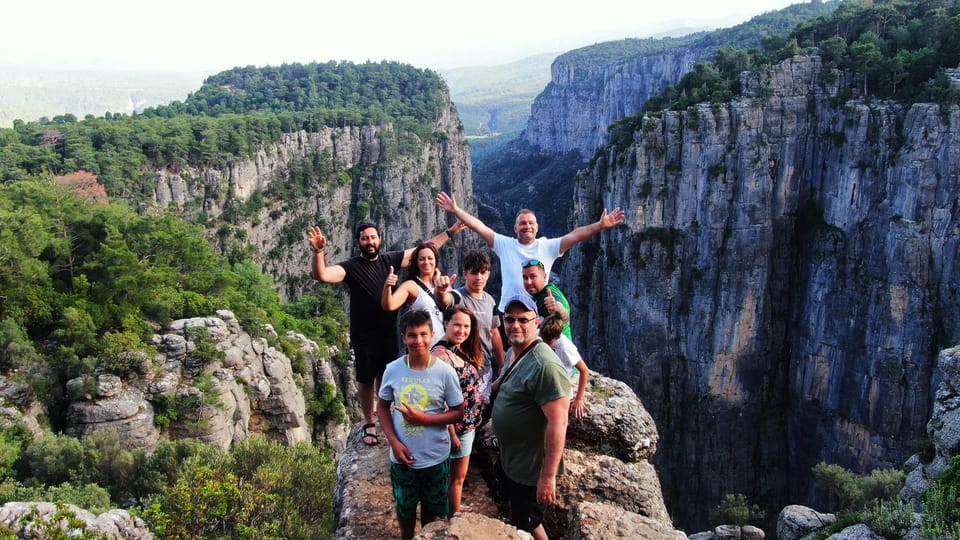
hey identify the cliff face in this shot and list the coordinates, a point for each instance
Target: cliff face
(359, 172)
(785, 278)
(573, 112)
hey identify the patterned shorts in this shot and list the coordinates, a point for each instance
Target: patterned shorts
(428, 486)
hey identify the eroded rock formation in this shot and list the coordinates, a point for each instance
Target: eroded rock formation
(786, 276)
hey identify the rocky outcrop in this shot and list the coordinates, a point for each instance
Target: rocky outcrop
(23, 519)
(370, 172)
(795, 521)
(786, 275)
(943, 431)
(252, 390)
(594, 487)
(113, 407)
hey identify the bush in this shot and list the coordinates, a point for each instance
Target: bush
(941, 504)
(734, 509)
(852, 492)
(261, 490)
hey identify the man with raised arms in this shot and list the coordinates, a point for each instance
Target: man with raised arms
(526, 246)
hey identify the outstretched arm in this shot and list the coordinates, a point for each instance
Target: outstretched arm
(448, 203)
(322, 272)
(580, 234)
(438, 240)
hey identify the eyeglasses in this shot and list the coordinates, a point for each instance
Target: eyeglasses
(522, 320)
(532, 262)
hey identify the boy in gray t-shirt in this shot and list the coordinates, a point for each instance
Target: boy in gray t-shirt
(419, 395)
(476, 272)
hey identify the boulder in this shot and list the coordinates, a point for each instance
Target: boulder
(617, 423)
(856, 532)
(118, 408)
(113, 524)
(601, 521)
(795, 521)
(470, 526)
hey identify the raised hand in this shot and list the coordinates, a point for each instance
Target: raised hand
(392, 278)
(457, 227)
(550, 302)
(612, 219)
(316, 239)
(443, 283)
(447, 202)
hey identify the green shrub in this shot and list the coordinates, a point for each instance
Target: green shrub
(941, 504)
(734, 509)
(852, 492)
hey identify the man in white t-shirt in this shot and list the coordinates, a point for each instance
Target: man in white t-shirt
(513, 252)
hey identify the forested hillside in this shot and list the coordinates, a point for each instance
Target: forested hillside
(93, 271)
(232, 115)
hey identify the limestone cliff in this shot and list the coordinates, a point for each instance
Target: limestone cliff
(787, 273)
(251, 388)
(574, 110)
(356, 172)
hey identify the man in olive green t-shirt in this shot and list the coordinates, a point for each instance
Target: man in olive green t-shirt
(529, 418)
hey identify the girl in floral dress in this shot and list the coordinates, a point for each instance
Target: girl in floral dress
(460, 347)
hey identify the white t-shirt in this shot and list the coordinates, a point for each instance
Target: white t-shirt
(567, 352)
(512, 254)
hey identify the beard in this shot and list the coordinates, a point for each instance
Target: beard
(370, 252)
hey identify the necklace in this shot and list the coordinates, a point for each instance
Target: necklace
(429, 362)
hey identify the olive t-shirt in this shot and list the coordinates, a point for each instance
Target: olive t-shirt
(518, 421)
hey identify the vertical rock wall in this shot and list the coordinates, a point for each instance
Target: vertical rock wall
(782, 285)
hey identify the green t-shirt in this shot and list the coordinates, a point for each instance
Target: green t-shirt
(541, 300)
(518, 421)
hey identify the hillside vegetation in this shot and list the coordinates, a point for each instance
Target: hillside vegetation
(899, 50)
(86, 281)
(229, 117)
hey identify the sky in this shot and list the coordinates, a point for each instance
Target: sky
(213, 35)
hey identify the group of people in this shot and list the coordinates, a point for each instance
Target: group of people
(464, 352)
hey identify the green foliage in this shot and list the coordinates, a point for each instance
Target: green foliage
(204, 347)
(852, 492)
(93, 295)
(735, 509)
(232, 115)
(261, 490)
(896, 49)
(941, 504)
(61, 525)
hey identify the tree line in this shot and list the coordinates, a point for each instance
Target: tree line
(230, 117)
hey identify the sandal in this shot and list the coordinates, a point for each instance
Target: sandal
(368, 434)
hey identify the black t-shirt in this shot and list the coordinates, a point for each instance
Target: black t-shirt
(365, 278)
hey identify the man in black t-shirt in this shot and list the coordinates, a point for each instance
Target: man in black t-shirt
(372, 329)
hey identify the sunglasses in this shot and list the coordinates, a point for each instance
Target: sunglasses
(522, 320)
(532, 262)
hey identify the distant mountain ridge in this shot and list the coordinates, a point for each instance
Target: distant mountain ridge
(29, 94)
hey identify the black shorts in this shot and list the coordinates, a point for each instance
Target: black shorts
(371, 356)
(525, 513)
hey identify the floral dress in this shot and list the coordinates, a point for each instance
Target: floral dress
(469, 385)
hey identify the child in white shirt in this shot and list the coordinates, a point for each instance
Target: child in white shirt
(551, 331)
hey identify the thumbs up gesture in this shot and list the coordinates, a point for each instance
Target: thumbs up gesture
(550, 302)
(391, 278)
